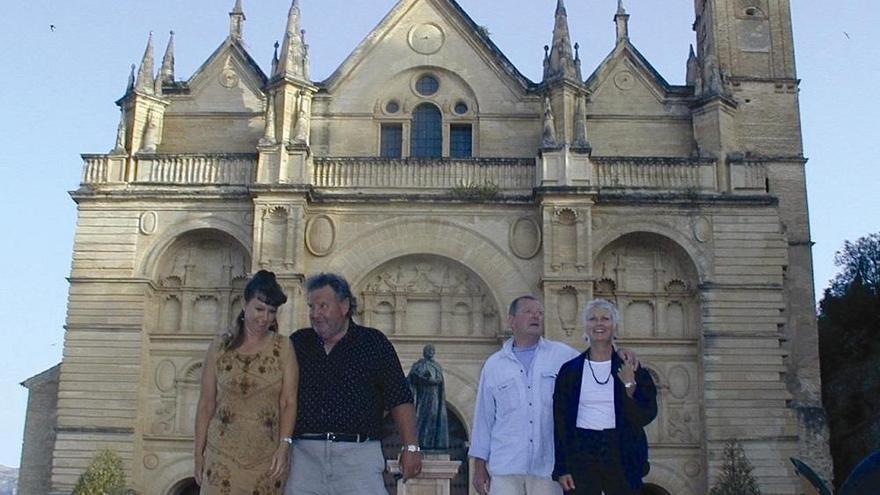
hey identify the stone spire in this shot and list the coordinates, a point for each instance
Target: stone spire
(621, 20)
(561, 62)
(275, 59)
(144, 82)
(166, 73)
(290, 62)
(693, 68)
(236, 21)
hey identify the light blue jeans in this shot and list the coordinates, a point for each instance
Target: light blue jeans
(321, 467)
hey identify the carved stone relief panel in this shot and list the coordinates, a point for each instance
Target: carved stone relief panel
(274, 236)
(427, 295)
(653, 282)
(198, 280)
(679, 419)
(565, 239)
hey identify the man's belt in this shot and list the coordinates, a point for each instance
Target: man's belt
(334, 437)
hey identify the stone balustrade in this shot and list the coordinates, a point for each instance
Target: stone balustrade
(386, 175)
(187, 169)
(505, 174)
(665, 174)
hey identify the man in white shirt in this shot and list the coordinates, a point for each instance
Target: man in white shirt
(512, 439)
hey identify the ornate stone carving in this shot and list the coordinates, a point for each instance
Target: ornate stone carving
(427, 295)
(548, 139)
(680, 425)
(567, 309)
(653, 281)
(163, 417)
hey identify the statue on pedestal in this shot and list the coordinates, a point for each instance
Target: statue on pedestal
(426, 380)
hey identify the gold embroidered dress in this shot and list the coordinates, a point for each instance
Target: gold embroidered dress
(243, 433)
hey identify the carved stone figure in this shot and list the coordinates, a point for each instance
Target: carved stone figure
(549, 134)
(426, 379)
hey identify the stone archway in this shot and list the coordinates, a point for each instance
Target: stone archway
(655, 285)
(427, 295)
(652, 489)
(186, 486)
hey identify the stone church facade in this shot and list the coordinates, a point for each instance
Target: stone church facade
(443, 183)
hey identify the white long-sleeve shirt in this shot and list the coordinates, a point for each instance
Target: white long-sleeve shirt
(513, 421)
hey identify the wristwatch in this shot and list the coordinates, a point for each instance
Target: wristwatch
(410, 448)
(629, 384)
(287, 440)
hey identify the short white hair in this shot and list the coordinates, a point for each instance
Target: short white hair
(602, 304)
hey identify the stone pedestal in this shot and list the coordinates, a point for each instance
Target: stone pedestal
(437, 473)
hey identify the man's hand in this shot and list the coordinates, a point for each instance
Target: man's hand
(410, 464)
(567, 482)
(482, 480)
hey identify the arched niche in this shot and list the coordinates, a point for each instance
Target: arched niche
(654, 284)
(427, 295)
(197, 279)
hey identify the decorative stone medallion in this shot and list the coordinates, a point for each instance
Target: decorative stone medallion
(151, 461)
(320, 235)
(426, 38)
(165, 375)
(624, 80)
(229, 78)
(148, 222)
(525, 238)
(702, 229)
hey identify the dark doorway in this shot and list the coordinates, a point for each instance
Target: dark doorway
(651, 489)
(458, 446)
(185, 487)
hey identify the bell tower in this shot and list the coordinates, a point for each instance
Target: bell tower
(747, 114)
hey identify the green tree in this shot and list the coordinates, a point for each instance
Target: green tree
(104, 476)
(736, 473)
(849, 353)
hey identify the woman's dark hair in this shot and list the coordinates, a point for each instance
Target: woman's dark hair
(339, 285)
(264, 287)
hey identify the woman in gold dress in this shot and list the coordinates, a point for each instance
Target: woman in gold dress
(247, 405)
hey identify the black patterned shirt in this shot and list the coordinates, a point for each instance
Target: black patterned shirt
(349, 389)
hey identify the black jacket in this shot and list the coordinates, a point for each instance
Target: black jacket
(631, 416)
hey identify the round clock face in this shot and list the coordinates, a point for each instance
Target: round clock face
(426, 38)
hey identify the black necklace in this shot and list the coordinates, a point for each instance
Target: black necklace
(590, 364)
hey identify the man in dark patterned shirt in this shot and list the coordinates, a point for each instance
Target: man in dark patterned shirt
(350, 376)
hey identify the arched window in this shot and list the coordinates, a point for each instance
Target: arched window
(427, 132)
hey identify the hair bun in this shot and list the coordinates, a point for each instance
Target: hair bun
(264, 275)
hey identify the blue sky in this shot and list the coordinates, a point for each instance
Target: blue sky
(57, 89)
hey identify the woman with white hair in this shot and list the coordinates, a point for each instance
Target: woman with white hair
(601, 404)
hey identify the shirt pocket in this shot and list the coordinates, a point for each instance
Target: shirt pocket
(548, 382)
(507, 397)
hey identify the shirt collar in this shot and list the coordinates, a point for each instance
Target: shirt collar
(507, 347)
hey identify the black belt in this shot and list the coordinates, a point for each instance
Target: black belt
(334, 437)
